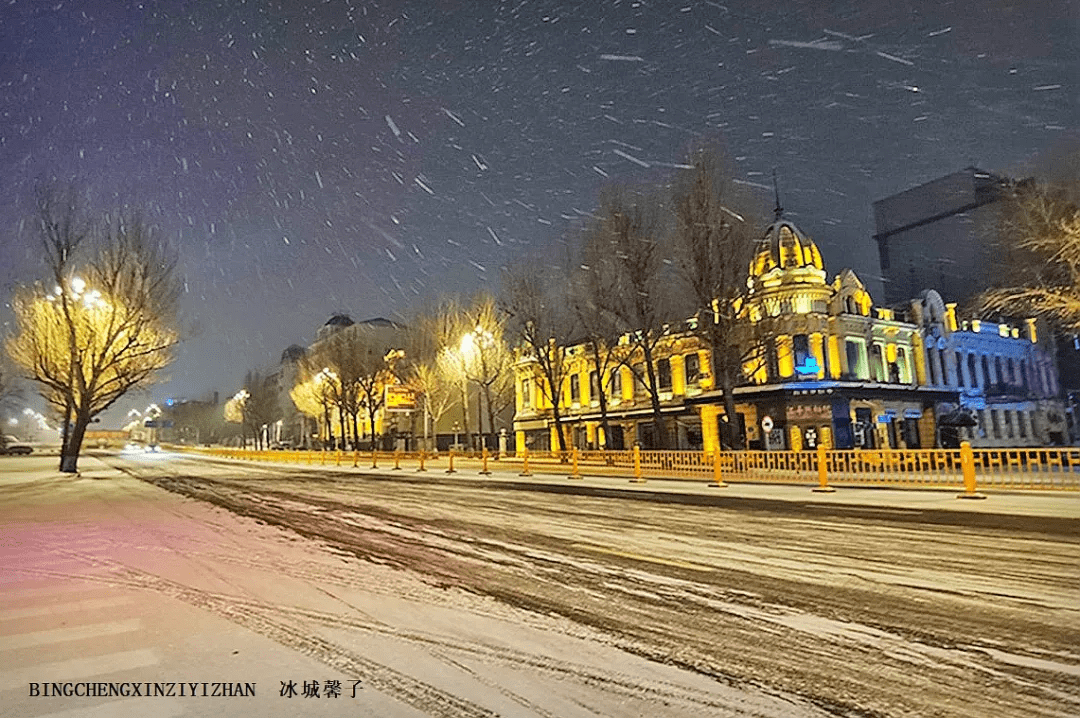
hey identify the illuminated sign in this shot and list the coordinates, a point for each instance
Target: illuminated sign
(399, 398)
(808, 367)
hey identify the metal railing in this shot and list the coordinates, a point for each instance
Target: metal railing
(964, 468)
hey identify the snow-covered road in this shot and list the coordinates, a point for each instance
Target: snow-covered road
(455, 599)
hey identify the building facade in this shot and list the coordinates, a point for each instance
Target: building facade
(1005, 376)
(824, 365)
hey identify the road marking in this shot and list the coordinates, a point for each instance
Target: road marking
(77, 668)
(650, 559)
(63, 635)
(129, 708)
(70, 607)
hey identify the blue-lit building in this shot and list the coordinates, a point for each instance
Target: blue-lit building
(1006, 376)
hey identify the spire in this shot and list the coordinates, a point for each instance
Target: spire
(776, 188)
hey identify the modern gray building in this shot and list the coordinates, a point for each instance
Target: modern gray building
(939, 236)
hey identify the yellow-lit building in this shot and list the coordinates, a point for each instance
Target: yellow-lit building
(824, 366)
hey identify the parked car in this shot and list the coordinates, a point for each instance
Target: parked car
(12, 445)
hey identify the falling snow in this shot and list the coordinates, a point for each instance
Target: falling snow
(297, 164)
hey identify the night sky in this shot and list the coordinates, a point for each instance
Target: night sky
(313, 157)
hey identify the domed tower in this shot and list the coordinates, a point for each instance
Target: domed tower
(787, 275)
(787, 306)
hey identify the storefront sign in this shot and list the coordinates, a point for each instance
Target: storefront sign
(400, 398)
(816, 413)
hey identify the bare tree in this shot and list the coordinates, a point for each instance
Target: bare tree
(253, 408)
(486, 359)
(712, 247)
(1039, 234)
(313, 396)
(343, 367)
(596, 281)
(428, 371)
(540, 316)
(632, 227)
(104, 323)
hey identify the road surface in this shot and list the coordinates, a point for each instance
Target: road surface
(452, 597)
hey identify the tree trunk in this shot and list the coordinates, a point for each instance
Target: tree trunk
(341, 425)
(355, 431)
(465, 410)
(654, 400)
(491, 417)
(734, 439)
(371, 417)
(68, 459)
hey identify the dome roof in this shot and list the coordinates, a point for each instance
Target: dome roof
(340, 320)
(785, 247)
(293, 354)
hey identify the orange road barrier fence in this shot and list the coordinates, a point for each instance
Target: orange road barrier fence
(967, 469)
(638, 477)
(822, 472)
(575, 470)
(718, 476)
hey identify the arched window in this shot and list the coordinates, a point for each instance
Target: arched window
(973, 371)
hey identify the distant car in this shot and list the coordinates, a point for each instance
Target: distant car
(14, 446)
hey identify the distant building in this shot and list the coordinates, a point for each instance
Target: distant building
(938, 236)
(1005, 376)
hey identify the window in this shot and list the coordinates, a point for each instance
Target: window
(1021, 423)
(998, 371)
(960, 369)
(806, 365)
(615, 382)
(905, 365)
(692, 368)
(985, 372)
(995, 422)
(1009, 423)
(663, 374)
(1023, 375)
(877, 363)
(526, 393)
(973, 371)
(855, 351)
(575, 388)
(594, 386)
